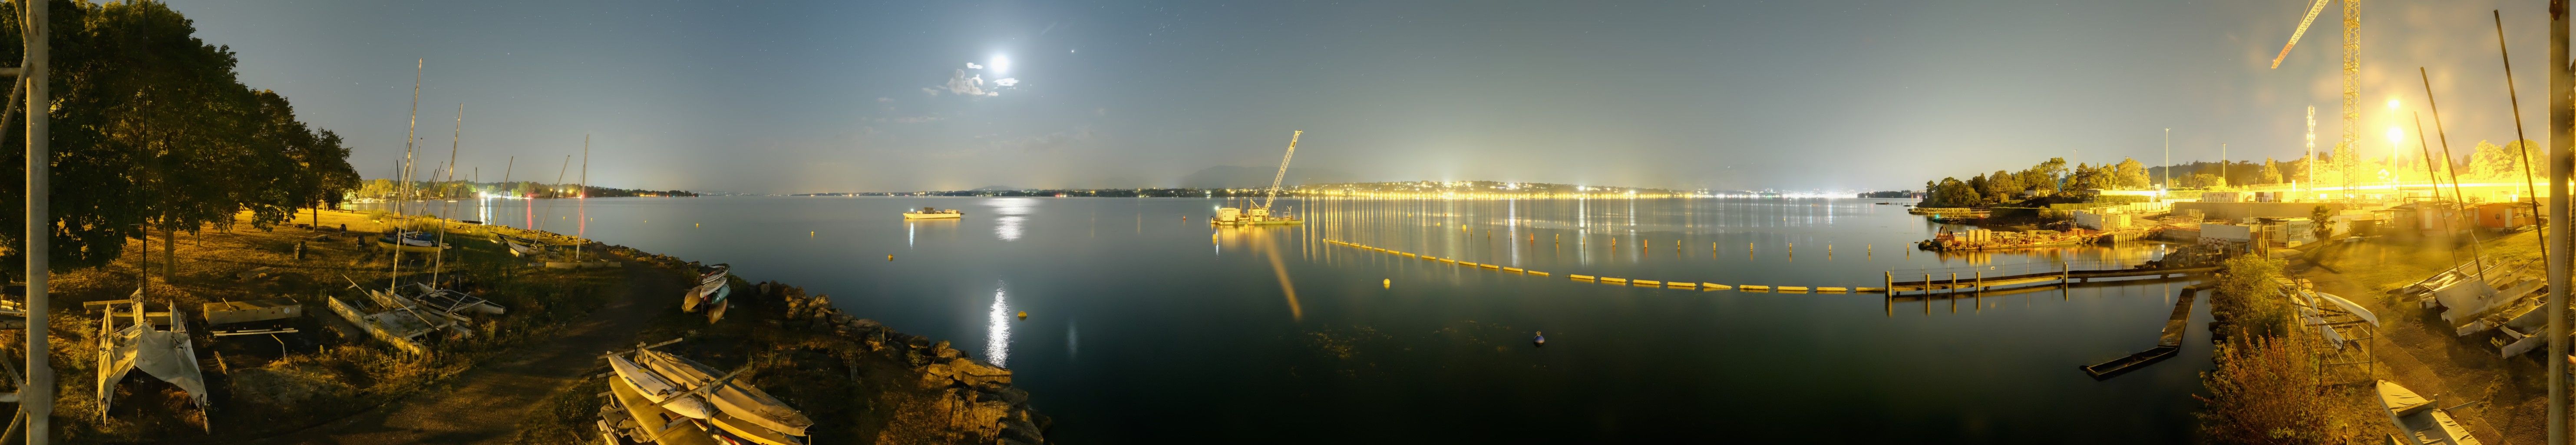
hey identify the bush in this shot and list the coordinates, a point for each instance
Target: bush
(2266, 390)
(2249, 298)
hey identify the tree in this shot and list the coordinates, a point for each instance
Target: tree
(1951, 192)
(2002, 186)
(1978, 184)
(2271, 171)
(151, 128)
(2131, 175)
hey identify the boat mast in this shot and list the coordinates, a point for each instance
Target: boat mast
(411, 134)
(448, 208)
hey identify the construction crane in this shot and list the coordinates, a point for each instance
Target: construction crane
(2351, 64)
(1260, 214)
(1264, 210)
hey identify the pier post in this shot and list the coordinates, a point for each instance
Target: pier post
(1891, 284)
(1954, 282)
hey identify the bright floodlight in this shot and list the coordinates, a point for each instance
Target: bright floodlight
(2392, 104)
(1001, 64)
(2395, 136)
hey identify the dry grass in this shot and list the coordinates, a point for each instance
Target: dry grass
(261, 386)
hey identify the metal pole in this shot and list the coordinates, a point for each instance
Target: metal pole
(2479, 253)
(37, 398)
(2562, 120)
(2519, 140)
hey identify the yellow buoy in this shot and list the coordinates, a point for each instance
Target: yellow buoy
(1387, 283)
(889, 257)
(809, 234)
(1024, 315)
(695, 225)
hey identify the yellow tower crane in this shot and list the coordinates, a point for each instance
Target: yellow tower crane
(2351, 64)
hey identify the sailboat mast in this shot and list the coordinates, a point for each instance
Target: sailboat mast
(447, 209)
(410, 134)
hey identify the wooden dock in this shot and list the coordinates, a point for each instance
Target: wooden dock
(1975, 281)
(2168, 342)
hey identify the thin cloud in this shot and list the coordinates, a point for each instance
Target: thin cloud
(963, 85)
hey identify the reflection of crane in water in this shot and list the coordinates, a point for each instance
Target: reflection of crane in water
(1262, 241)
(1260, 214)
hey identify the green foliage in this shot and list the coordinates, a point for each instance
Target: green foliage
(2321, 227)
(2271, 171)
(2249, 299)
(151, 128)
(1950, 192)
(2268, 391)
(2129, 174)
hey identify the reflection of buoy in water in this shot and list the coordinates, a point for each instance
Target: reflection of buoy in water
(1024, 315)
(1539, 339)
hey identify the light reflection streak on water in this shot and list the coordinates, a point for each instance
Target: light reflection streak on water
(1013, 211)
(997, 335)
(909, 230)
(1072, 339)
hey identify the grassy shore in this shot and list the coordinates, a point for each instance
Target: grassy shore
(860, 382)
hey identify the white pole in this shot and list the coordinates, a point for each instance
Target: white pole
(37, 399)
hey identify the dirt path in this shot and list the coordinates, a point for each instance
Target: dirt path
(486, 404)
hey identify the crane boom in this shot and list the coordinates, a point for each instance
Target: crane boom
(1283, 169)
(2320, 7)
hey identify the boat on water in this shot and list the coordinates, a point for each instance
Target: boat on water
(1229, 216)
(412, 241)
(2422, 422)
(934, 213)
(713, 286)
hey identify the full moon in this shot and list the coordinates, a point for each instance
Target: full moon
(1001, 64)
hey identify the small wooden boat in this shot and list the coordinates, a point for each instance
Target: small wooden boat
(2422, 422)
(934, 213)
(660, 391)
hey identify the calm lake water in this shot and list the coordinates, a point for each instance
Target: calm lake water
(1144, 327)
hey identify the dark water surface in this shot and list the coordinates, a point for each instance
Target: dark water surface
(1146, 328)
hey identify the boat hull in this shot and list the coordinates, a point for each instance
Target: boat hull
(933, 215)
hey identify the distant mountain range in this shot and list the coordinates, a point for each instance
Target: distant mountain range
(1234, 176)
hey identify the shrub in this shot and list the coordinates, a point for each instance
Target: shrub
(2266, 390)
(2249, 298)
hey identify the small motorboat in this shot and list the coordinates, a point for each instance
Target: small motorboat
(934, 213)
(1540, 339)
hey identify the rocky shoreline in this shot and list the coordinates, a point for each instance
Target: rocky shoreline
(897, 387)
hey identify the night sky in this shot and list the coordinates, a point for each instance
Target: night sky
(798, 97)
